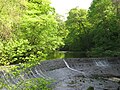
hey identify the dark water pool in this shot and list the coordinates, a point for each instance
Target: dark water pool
(66, 54)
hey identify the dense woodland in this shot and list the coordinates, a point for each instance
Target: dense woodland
(96, 31)
(31, 29)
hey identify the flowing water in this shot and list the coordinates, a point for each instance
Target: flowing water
(74, 73)
(81, 74)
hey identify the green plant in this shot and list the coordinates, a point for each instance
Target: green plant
(90, 88)
(31, 84)
(18, 51)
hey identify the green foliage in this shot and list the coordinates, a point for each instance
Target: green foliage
(31, 84)
(96, 31)
(78, 27)
(29, 31)
(39, 26)
(90, 88)
(14, 52)
(34, 35)
(62, 30)
(34, 84)
(10, 13)
(100, 52)
(106, 32)
(100, 10)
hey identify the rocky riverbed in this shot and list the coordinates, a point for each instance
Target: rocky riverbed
(75, 74)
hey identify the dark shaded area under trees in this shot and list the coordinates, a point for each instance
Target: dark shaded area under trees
(95, 32)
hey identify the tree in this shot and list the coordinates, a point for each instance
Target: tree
(62, 30)
(77, 26)
(106, 32)
(35, 35)
(39, 26)
(10, 13)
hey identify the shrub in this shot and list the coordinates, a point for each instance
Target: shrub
(31, 84)
(18, 51)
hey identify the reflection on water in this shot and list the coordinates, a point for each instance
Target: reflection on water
(66, 54)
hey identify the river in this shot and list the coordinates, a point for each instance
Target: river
(66, 54)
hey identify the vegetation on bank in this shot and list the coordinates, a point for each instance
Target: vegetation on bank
(96, 31)
(30, 84)
(30, 30)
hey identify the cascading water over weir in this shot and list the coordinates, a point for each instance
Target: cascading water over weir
(74, 73)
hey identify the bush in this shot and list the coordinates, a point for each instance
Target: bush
(101, 52)
(95, 52)
(18, 51)
(31, 84)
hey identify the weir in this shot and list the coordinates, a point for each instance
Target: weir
(73, 73)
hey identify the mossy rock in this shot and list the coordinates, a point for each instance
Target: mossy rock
(90, 88)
